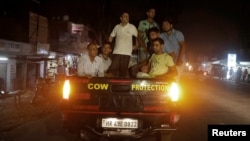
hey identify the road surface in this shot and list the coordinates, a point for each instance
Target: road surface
(210, 102)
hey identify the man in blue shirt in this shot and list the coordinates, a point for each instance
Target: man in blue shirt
(175, 44)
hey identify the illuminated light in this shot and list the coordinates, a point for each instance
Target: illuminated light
(165, 125)
(187, 64)
(3, 59)
(205, 73)
(143, 83)
(51, 56)
(66, 89)
(231, 62)
(68, 57)
(190, 68)
(174, 92)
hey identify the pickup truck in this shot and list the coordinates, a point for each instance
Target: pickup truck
(103, 108)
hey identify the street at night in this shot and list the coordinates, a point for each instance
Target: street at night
(213, 101)
(110, 69)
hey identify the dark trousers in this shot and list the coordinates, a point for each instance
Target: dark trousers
(119, 65)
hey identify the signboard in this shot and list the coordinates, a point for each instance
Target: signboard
(77, 28)
(10, 46)
(15, 47)
(231, 64)
(231, 60)
(72, 43)
(38, 28)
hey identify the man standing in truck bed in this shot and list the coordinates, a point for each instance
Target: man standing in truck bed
(143, 27)
(122, 52)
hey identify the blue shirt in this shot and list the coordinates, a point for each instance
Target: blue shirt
(171, 42)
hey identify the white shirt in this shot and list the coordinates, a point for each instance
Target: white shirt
(123, 40)
(106, 62)
(86, 67)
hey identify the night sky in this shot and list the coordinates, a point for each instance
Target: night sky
(210, 27)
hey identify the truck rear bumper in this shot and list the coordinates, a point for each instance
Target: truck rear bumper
(149, 123)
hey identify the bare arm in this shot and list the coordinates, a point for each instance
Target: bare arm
(172, 54)
(110, 39)
(183, 47)
(136, 44)
(141, 41)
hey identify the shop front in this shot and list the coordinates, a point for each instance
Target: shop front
(13, 70)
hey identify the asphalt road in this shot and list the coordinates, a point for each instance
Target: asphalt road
(209, 102)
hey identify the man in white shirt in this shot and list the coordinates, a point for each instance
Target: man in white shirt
(90, 65)
(123, 34)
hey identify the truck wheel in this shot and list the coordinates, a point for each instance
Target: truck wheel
(163, 136)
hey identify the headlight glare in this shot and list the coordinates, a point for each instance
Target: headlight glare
(66, 89)
(174, 92)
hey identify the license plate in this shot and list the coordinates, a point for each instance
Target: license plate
(119, 123)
